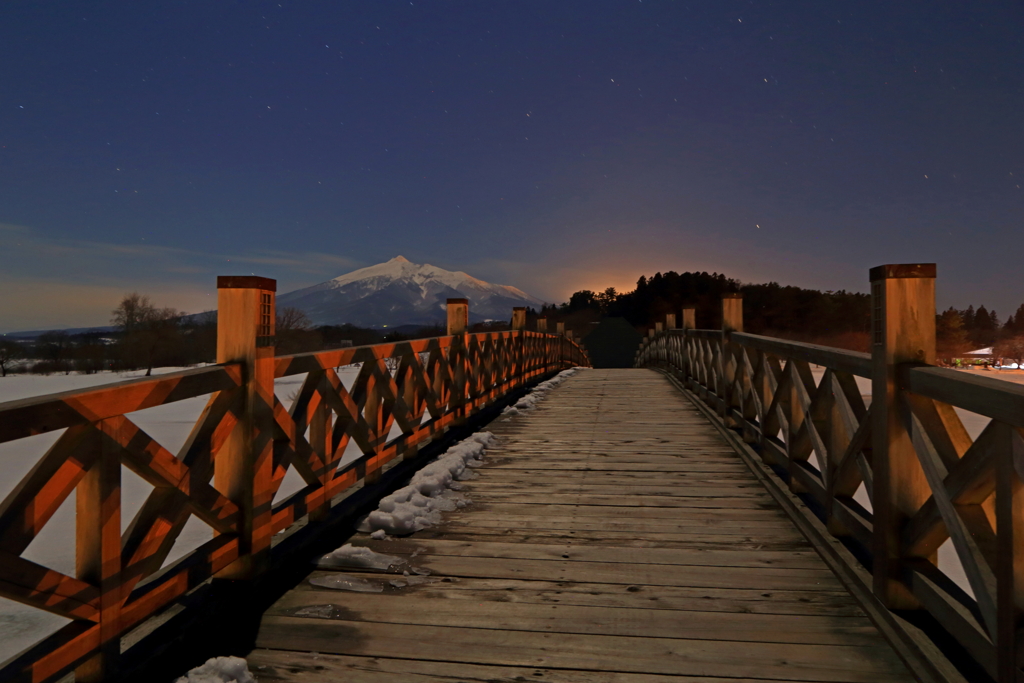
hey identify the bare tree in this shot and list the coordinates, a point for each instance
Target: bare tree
(133, 311)
(291, 318)
(9, 352)
(1012, 348)
(159, 337)
(55, 347)
(294, 331)
(147, 333)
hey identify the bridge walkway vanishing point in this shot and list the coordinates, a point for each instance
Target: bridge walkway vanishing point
(613, 535)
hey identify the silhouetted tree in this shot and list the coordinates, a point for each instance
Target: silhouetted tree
(149, 335)
(1015, 323)
(10, 351)
(55, 348)
(294, 332)
(967, 316)
(950, 335)
(1011, 348)
(985, 326)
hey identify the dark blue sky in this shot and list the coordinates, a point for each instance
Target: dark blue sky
(550, 145)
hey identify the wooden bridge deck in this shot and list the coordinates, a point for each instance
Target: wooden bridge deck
(614, 536)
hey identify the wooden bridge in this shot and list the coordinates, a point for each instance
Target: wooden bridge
(731, 509)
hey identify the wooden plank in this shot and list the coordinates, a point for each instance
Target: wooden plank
(853, 664)
(587, 465)
(534, 477)
(735, 503)
(698, 514)
(780, 541)
(315, 667)
(747, 601)
(619, 490)
(401, 608)
(653, 521)
(631, 574)
(723, 557)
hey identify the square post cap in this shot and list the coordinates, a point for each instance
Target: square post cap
(246, 282)
(458, 301)
(897, 271)
(732, 295)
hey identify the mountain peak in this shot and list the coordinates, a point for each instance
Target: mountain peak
(401, 292)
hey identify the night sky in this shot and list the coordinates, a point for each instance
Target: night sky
(550, 145)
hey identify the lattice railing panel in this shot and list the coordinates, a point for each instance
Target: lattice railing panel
(404, 395)
(818, 434)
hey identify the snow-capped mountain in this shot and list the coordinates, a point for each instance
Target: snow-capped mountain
(402, 293)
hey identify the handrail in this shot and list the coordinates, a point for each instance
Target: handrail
(47, 413)
(423, 386)
(816, 431)
(852, 362)
(998, 399)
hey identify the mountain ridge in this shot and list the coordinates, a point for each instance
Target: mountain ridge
(399, 292)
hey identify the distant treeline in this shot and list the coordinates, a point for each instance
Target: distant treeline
(960, 331)
(146, 337)
(834, 318)
(842, 318)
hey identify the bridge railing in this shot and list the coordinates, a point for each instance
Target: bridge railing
(404, 395)
(885, 462)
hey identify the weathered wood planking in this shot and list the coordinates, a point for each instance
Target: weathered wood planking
(584, 558)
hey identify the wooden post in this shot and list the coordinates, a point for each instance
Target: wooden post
(732, 312)
(689, 323)
(458, 324)
(670, 321)
(650, 333)
(659, 327)
(519, 363)
(903, 331)
(458, 316)
(243, 466)
(542, 325)
(560, 329)
(519, 318)
(689, 318)
(1010, 553)
(732, 321)
(98, 552)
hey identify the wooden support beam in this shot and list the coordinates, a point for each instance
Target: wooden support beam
(98, 552)
(519, 318)
(243, 469)
(1010, 569)
(903, 331)
(458, 316)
